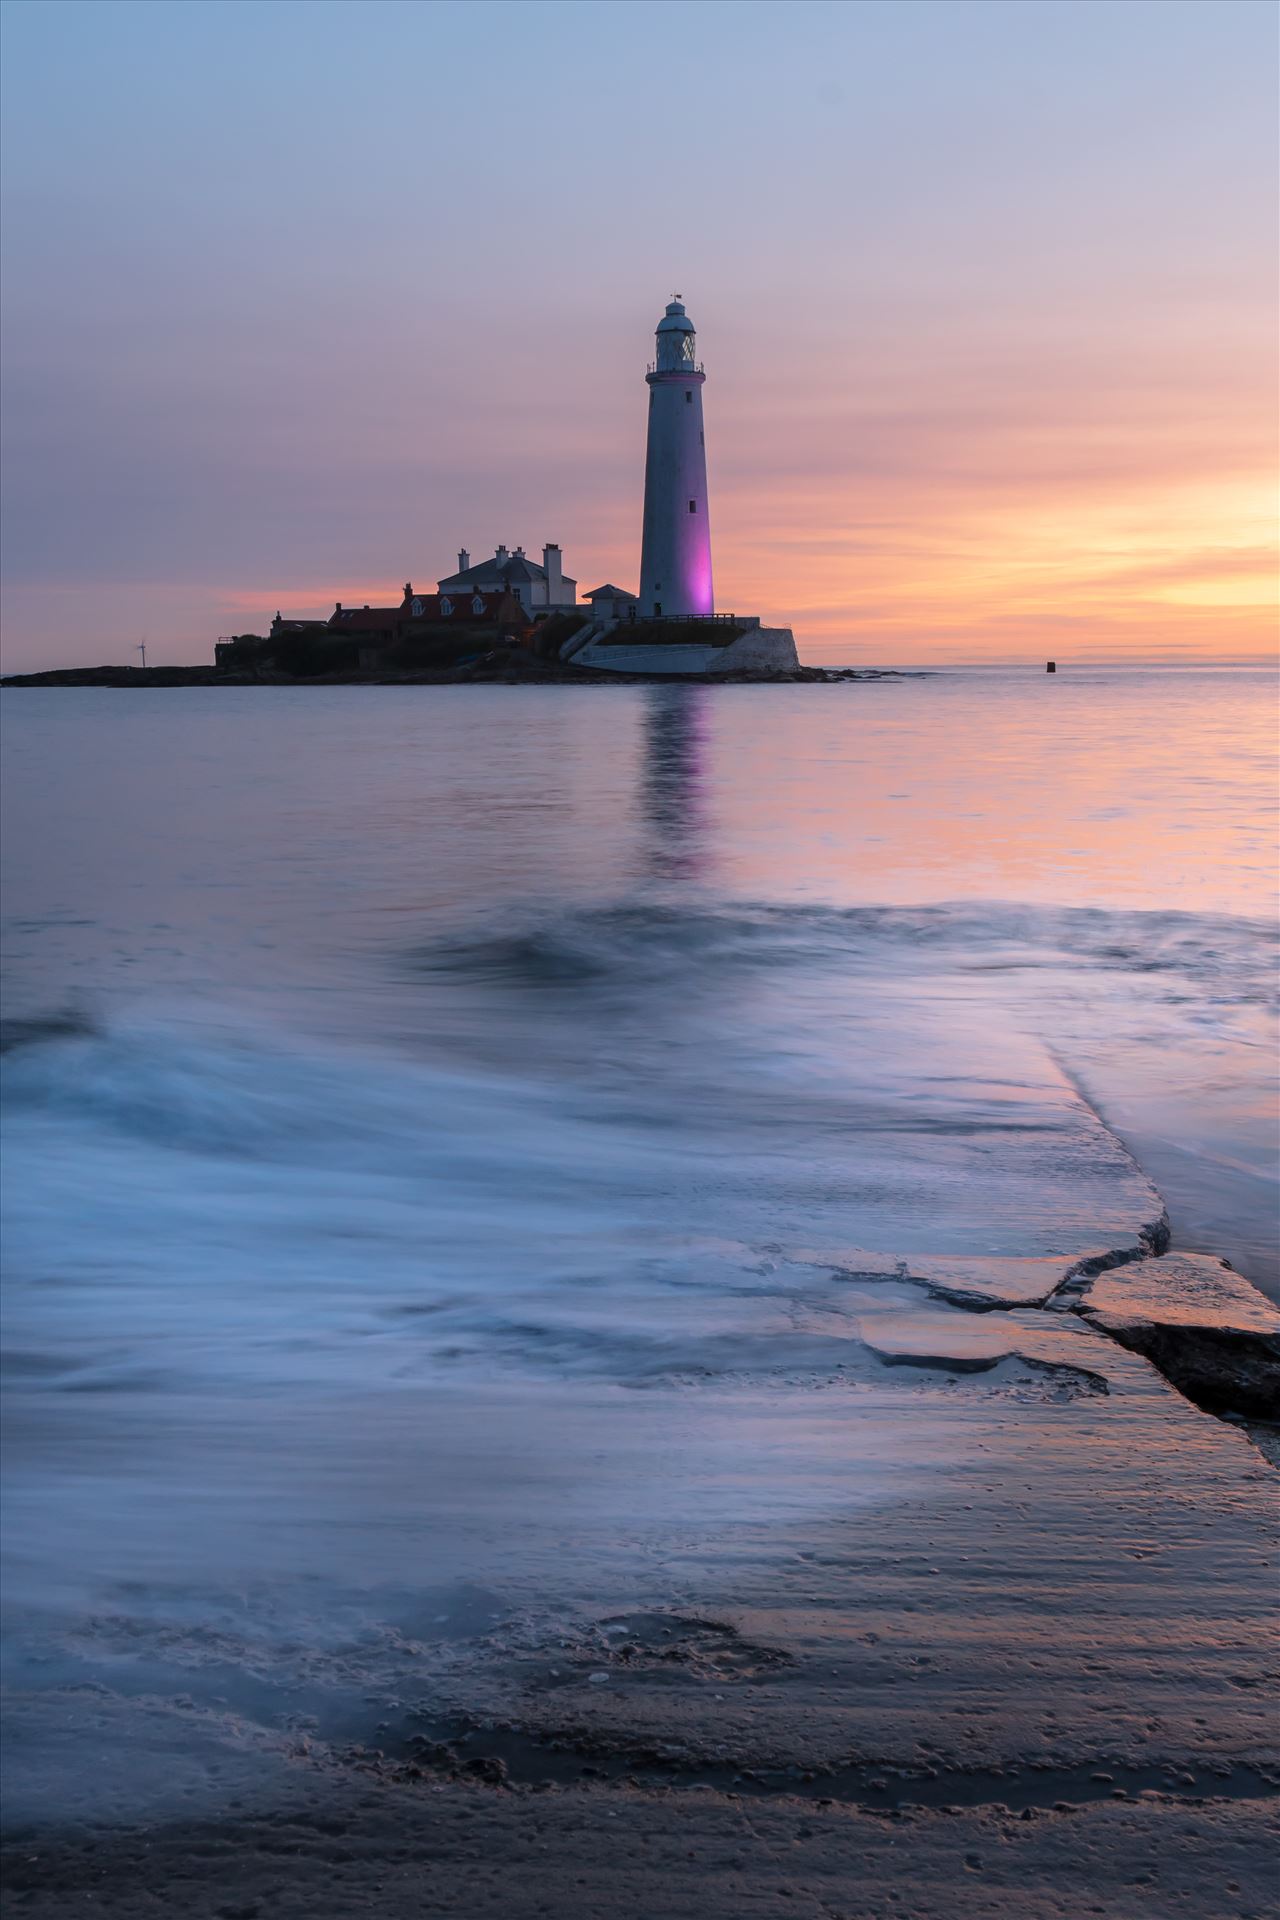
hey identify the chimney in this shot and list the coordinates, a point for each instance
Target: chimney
(555, 580)
(408, 589)
(520, 553)
(337, 606)
(500, 556)
(464, 559)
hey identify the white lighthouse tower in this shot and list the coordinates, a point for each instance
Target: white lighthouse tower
(675, 553)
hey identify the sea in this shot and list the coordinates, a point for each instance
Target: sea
(398, 1081)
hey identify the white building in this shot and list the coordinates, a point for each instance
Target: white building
(675, 563)
(612, 603)
(539, 589)
(675, 551)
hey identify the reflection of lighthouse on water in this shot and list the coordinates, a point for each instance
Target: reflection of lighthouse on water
(674, 787)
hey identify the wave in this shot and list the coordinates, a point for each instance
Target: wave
(574, 948)
(192, 1200)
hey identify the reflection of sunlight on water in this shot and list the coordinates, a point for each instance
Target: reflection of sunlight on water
(1081, 789)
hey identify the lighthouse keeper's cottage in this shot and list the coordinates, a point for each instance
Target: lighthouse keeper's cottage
(539, 589)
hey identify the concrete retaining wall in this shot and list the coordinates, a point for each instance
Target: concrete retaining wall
(759, 650)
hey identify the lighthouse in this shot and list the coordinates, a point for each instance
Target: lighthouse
(675, 553)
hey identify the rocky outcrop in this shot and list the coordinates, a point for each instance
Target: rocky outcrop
(980, 1281)
(1211, 1334)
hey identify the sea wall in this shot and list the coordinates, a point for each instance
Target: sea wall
(761, 650)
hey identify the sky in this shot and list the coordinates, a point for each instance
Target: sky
(301, 296)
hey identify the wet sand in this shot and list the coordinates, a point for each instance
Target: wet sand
(1034, 1680)
(682, 1855)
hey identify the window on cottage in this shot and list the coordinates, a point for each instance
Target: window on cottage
(446, 606)
(477, 605)
(416, 607)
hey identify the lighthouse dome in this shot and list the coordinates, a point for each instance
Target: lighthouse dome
(675, 319)
(676, 340)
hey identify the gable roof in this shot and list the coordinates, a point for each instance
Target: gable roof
(496, 573)
(610, 593)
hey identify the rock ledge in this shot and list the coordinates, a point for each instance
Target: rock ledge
(1211, 1334)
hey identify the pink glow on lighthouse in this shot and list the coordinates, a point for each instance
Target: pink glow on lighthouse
(675, 558)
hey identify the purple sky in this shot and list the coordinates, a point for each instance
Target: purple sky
(299, 298)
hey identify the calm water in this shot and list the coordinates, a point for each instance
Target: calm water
(469, 1043)
(623, 888)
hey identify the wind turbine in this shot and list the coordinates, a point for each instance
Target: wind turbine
(142, 649)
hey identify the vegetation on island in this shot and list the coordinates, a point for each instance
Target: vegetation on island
(673, 633)
(551, 634)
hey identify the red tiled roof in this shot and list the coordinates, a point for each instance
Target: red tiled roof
(363, 619)
(461, 605)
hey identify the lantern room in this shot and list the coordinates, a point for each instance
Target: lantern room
(677, 351)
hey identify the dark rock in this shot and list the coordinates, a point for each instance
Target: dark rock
(1210, 1333)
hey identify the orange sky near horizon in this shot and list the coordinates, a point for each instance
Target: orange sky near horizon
(969, 523)
(1105, 522)
(953, 520)
(989, 321)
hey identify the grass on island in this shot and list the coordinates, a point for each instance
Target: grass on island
(552, 635)
(673, 633)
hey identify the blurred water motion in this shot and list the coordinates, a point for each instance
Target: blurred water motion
(403, 1083)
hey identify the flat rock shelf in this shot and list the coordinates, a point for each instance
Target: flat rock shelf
(998, 1639)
